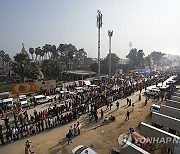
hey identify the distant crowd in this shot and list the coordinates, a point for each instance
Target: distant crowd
(89, 102)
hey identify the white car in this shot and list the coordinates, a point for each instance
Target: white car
(42, 99)
(23, 100)
(81, 149)
(155, 108)
(8, 102)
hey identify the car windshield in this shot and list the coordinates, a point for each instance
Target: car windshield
(155, 108)
(23, 99)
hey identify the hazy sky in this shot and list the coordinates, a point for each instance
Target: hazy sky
(151, 25)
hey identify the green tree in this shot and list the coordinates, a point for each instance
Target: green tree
(6, 58)
(24, 67)
(156, 56)
(46, 49)
(140, 59)
(114, 64)
(52, 69)
(136, 58)
(54, 52)
(67, 53)
(37, 52)
(41, 54)
(79, 59)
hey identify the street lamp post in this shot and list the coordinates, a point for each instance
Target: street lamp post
(110, 33)
(99, 25)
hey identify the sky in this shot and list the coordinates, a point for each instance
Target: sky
(151, 25)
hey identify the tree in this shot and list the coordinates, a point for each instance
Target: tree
(114, 64)
(80, 57)
(67, 53)
(136, 58)
(52, 69)
(140, 59)
(46, 49)
(41, 54)
(31, 51)
(6, 58)
(24, 67)
(54, 53)
(156, 56)
(37, 52)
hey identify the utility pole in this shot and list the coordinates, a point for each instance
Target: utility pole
(99, 25)
(110, 33)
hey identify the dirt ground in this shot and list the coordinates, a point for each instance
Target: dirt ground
(101, 139)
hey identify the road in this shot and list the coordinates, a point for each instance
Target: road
(102, 139)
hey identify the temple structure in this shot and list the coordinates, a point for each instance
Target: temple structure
(23, 50)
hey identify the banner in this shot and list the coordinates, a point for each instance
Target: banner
(28, 87)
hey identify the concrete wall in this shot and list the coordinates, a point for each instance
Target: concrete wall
(166, 121)
(150, 131)
(132, 149)
(172, 103)
(170, 111)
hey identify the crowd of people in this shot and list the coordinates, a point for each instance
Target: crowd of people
(88, 102)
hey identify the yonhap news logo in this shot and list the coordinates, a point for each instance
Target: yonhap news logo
(123, 138)
(126, 139)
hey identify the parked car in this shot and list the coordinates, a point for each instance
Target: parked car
(39, 99)
(8, 102)
(23, 100)
(81, 149)
(155, 108)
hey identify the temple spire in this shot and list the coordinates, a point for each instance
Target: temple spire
(23, 50)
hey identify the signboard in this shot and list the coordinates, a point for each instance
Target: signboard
(28, 87)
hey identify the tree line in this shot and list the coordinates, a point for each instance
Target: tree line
(53, 60)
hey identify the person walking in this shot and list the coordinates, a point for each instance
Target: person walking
(139, 97)
(127, 115)
(69, 137)
(102, 113)
(145, 102)
(78, 128)
(111, 105)
(127, 100)
(117, 105)
(28, 147)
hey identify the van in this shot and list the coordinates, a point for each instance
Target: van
(152, 92)
(23, 100)
(39, 99)
(155, 108)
